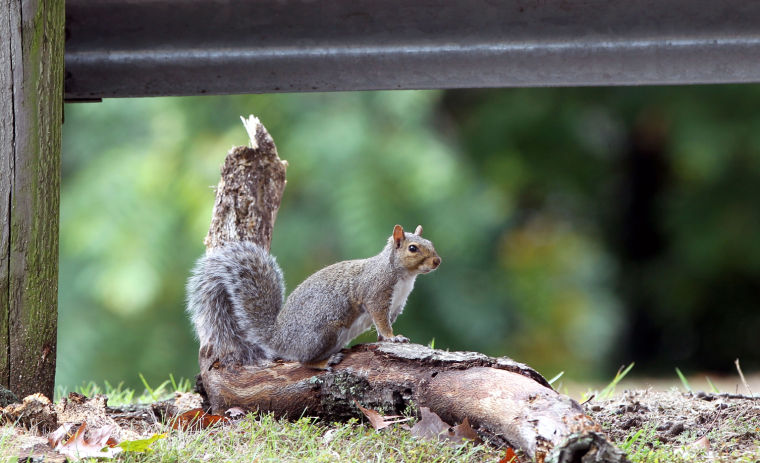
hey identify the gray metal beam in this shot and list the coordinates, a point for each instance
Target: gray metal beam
(127, 48)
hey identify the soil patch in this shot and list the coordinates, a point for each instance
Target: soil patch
(714, 425)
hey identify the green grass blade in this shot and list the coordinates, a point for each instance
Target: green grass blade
(631, 440)
(145, 384)
(610, 389)
(684, 381)
(558, 376)
(712, 386)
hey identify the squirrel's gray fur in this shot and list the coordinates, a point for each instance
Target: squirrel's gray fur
(236, 294)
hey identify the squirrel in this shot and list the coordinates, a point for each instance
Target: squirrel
(236, 300)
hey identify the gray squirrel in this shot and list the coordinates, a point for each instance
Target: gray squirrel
(236, 292)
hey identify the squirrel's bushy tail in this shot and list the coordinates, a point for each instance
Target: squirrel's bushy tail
(233, 298)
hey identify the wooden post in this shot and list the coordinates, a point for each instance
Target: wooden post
(31, 107)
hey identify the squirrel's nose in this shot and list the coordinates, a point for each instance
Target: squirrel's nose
(436, 262)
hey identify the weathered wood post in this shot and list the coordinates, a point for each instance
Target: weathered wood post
(31, 106)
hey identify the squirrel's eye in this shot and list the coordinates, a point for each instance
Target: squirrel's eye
(412, 248)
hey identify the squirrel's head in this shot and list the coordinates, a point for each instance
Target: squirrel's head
(412, 251)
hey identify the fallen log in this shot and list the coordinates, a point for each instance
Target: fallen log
(508, 403)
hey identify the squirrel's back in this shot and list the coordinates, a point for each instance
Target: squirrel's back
(234, 295)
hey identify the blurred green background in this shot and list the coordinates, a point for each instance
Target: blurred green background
(580, 229)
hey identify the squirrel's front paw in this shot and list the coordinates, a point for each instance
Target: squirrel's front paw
(397, 338)
(334, 359)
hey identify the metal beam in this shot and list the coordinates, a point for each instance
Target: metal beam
(127, 48)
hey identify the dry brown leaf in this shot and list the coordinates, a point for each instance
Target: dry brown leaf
(430, 425)
(379, 421)
(510, 456)
(83, 444)
(463, 431)
(702, 443)
(197, 419)
(55, 437)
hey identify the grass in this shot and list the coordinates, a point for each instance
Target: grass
(713, 388)
(264, 438)
(643, 446)
(6, 438)
(683, 379)
(119, 395)
(608, 391)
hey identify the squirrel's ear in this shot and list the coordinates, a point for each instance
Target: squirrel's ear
(418, 230)
(398, 235)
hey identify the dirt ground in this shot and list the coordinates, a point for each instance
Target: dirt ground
(708, 425)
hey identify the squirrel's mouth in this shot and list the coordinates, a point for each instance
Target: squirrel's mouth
(428, 265)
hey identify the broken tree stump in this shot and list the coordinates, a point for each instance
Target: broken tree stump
(508, 403)
(249, 192)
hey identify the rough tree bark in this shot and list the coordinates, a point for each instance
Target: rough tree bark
(31, 105)
(249, 192)
(506, 402)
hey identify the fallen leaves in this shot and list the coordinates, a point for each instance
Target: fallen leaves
(101, 441)
(197, 419)
(463, 431)
(701, 443)
(98, 442)
(430, 426)
(379, 421)
(510, 456)
(84, 443)
(80, 427)
(700, 446)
